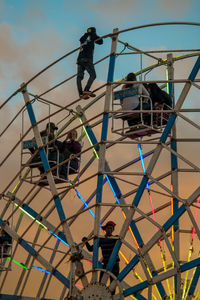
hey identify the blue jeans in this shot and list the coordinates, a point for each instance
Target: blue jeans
(85, 64)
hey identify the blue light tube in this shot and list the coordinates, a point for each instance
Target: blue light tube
(142, 161)
(59, 238)
(40, 269)
(85, 203)
(112, 189)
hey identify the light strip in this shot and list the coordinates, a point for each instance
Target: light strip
(59, 238)
(112, 189)
(24, 211)
(154, 217)
(189, 256)
(85, 203)
(47, 272)
(95, 152)
(17, 263)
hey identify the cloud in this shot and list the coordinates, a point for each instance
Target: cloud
(116, 8)
(171, 6)
(24, 59)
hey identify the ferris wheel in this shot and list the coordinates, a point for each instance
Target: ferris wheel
(144, 179)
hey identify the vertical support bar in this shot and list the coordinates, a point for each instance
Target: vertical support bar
(103, 148)
(174, 176)
(46, 166)
(194, 283)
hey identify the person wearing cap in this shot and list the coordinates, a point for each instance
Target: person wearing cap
(53, 153)
(85, 61)
(106, 244)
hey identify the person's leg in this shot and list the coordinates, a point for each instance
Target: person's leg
(115, 271)
(146, 116)
(80, 76)
(101, 273)
(92, 73)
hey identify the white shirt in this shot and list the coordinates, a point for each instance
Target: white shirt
(130, 103)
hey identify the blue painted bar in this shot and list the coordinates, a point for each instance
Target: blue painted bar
(59, 208)
(140, 297)
(104, 127)
(114, 255)
(111, 68)
(190, 265)
(168, 127)
(115, 187)
(140, 190)
(31, 212)
(128, 268)
(174, 157)
(61, 278)
(195, 69)
(31, 113)
(27, 247)
(136, 234)
(134, 289)
(44, 159)
(174, 218)
(92, 137)
(194, 282)
(95, 253)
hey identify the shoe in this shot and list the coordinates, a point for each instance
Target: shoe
(84, 96)
(89, 93)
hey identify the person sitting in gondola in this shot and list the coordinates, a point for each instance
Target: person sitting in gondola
(54, 157)
(133, 102)
(67, 148)
(161, 101)
(5, 243)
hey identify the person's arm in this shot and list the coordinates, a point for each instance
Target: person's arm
(97, 39)
(76, 147)
(88, 246)
(84, 38)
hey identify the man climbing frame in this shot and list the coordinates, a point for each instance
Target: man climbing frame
(85, 61)
(106, 244)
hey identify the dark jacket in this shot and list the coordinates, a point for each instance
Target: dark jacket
(107, 245)
(5, 237)
(87, 46)
(73, 147)
(159, 96)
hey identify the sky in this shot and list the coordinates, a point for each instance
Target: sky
(34, 33)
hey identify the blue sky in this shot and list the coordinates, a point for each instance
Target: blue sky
(34, 33)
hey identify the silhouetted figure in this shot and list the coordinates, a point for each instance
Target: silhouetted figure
(85, 61)
(107, 245)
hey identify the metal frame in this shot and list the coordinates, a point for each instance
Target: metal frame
(153, 278)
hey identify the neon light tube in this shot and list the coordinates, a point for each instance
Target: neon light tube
(47, 272)
(24, 211)
(112, 189)
(17, 263)
(59, 238)
(85, 203)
